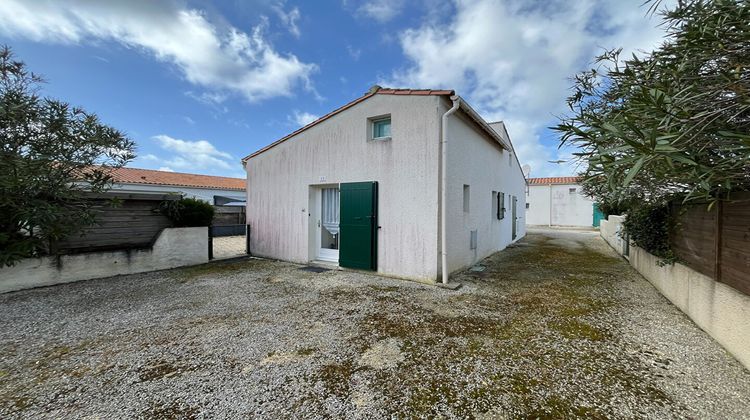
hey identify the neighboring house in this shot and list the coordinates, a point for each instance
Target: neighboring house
(217, 190)
(560, 201)
(361, 187)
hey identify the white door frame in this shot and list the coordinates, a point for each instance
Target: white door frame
(316, 251)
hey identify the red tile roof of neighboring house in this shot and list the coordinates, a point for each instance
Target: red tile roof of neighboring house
(151, 177)
(555, 180)
(375, 90)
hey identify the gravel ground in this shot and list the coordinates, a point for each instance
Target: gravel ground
(554, 327)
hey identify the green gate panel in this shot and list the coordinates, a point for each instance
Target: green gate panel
(514, 218)
(598, 215)
(358, 225)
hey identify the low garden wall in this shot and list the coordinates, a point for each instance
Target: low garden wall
(720, 310)
(174, 247)
(610, 231)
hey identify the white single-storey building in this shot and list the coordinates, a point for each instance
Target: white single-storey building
(216, 190)
(560, 201)
(408, 183)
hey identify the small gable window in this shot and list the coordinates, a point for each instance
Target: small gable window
(381, 128)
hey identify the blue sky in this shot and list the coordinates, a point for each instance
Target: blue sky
(199, 85)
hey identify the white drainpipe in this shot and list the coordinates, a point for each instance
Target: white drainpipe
(443, 167)
(550, 205)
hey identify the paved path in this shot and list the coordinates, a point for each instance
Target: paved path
(229, 246)
(554, 327)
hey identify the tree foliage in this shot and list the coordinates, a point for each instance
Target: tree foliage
(51, 154)
(672, 124)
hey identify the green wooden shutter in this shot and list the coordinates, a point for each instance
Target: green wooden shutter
(514, 219)
(358, 225)
(500, 205)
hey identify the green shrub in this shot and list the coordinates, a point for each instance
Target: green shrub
(648, 226)
(188, 212)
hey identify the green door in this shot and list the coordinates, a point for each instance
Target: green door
(358, 225)
(598, 215)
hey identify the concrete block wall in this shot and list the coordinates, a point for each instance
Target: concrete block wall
(721, 311)
(174, 247)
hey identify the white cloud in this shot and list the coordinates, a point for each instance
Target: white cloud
(220, 58)
(165, 169)
(513, 59)
(302, 118)
(289, 19)
(150, 157)
(354, 53)
(381, 10)
(194, 155)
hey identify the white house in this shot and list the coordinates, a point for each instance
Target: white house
(560, 201)
(374, 184)
(217, 190)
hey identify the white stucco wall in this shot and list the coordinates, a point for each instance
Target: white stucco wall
(554, 205)
(474, 159)
(718, 309)
(336, 151)
(174, 247)
(205, 194)
(610, 229)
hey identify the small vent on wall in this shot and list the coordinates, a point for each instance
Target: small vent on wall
(473, 240)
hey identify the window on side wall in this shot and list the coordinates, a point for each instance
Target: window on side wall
(467, 198)
(571, 190)
(380, 128)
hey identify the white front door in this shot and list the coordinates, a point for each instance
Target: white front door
(328, 241)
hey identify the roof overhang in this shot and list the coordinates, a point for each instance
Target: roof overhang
(484, 125)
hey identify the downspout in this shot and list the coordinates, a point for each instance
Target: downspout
(550, 205)
(443, 168)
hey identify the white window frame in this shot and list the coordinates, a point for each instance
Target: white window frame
(373, 123)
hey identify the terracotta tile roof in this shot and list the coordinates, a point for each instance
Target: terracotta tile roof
(151, 177)
(375, 90)
(555, 180)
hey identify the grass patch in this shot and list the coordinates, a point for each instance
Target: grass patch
(307, 351)
(173, 410)
(576, 330)
(337, 377)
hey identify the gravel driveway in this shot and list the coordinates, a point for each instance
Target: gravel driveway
(556, 326)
